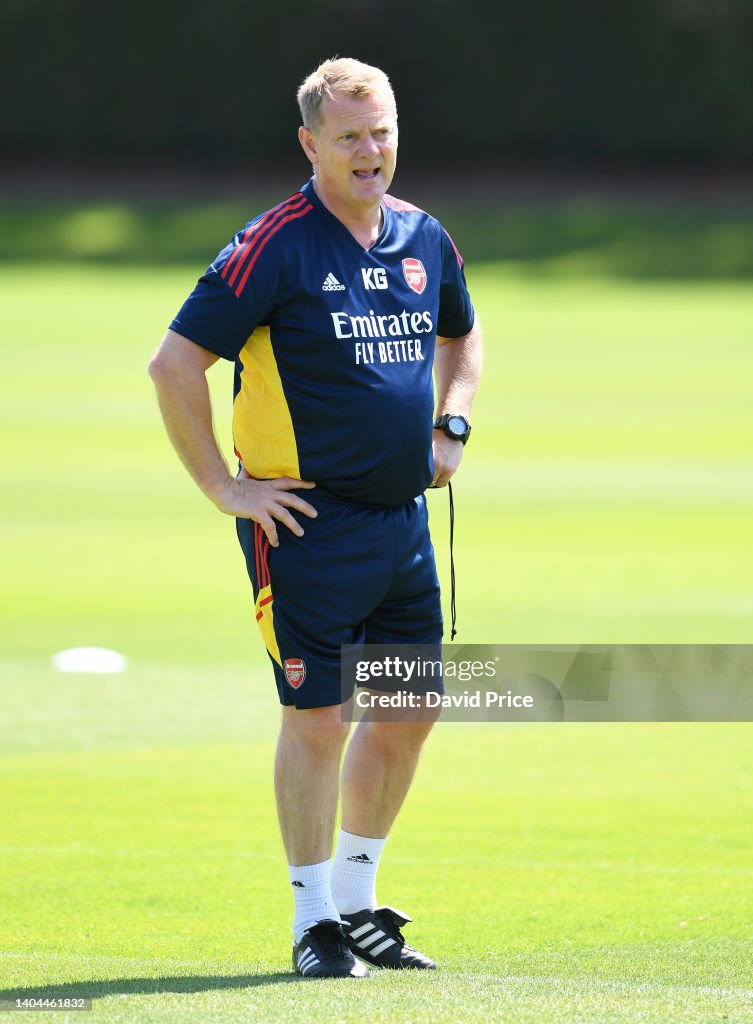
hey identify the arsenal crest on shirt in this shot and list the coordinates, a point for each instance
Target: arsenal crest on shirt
(295, 671)
(414, 274)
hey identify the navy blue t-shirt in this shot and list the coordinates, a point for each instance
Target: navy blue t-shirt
(333, 344)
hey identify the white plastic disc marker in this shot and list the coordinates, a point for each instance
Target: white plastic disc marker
(91, 660)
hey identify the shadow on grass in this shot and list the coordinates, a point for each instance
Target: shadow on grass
(145, 986)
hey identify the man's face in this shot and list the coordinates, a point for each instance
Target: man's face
(354, 150)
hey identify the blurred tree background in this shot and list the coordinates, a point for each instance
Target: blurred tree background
(581, 84)
(572, 137)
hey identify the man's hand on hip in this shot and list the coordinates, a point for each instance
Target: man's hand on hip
(266, 502)
(447, 455)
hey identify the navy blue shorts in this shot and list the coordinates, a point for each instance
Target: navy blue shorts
(360, 574)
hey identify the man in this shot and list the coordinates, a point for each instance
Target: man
(331, 304)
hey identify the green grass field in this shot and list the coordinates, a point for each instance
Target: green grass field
(579, 873)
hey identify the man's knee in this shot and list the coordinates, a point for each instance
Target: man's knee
(401, 734)
(315, 727)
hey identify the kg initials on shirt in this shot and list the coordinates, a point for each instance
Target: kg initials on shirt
(374, 277)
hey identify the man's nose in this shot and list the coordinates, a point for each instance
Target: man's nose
(369, 145)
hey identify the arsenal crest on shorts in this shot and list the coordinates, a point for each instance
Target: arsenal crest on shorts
(414, 274)
(295, 671)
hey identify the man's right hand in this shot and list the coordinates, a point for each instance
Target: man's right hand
(267, 502)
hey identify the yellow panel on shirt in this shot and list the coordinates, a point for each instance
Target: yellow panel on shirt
(262, 425)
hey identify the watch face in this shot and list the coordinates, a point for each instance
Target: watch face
(457, 425)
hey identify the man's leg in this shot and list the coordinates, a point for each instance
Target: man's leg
(377, 774)
(379, 767)
(382, 756)
(311, 595)
(306, 776)
(307, 766)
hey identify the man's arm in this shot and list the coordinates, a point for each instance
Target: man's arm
(457, 370)
(178, 369)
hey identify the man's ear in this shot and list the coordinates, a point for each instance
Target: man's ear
(308, 143)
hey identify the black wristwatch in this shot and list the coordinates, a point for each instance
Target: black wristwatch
(456, 427)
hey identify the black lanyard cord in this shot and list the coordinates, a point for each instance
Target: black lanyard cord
(453, 631)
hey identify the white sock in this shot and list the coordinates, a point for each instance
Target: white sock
(312, 894)
(354, 872)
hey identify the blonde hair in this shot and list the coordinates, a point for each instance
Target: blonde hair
(342, 75)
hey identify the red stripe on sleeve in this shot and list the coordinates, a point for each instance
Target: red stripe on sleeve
(455, 250)
(260, 246)
(255, 233)
(234, 254)
(251, 230)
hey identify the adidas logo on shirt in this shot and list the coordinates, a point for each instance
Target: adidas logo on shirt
(331, 284)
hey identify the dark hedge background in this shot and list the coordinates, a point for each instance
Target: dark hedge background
(572, 83)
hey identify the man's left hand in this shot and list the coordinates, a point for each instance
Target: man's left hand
(447, 456)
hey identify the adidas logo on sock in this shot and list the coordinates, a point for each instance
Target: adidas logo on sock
(361, 858)
(331, 284)
(298, 885)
